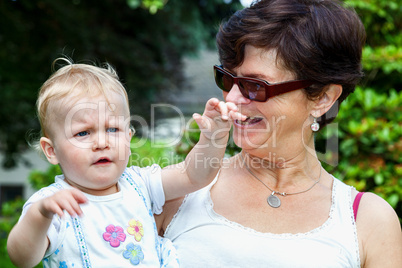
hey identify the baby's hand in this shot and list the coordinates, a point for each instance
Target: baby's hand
(216, 120)
(68, 200)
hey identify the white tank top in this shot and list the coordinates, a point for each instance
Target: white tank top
(204, 238)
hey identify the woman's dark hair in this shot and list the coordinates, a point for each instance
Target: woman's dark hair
(321, 40)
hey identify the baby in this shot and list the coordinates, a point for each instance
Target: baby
(99, 213)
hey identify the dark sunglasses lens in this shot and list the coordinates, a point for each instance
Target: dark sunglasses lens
(252, 90)
(223, 80)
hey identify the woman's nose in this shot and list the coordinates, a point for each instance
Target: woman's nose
(235, 96)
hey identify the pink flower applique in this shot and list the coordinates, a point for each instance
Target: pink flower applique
(136, 229)
(114, 235)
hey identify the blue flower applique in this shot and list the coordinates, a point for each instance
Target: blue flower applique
(134, 253)
(63, 264)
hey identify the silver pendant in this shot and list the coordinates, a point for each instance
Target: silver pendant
(274, 201)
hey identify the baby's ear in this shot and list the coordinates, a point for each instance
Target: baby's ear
(47, 147)
(131, 132)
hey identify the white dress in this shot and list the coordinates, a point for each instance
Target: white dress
(116, 230)
(204, 238)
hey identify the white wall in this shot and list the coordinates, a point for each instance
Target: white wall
(19, 176)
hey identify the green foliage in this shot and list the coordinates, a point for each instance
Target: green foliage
(11, 211)
(370, 128)
(145, 152)
(388, 59)
(145, 48)
(10, 214)
(152, 5)
(190, 137)
(382, 56)
(39, 179)
(370, 144)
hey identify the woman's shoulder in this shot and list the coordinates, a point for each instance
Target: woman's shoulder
(375, 210)
(372, 209)
(379, 230)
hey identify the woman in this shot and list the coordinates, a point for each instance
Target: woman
(273, 205)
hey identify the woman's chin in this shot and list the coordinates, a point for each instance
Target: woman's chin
(250, 141)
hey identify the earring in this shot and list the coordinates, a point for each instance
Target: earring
(315, 126)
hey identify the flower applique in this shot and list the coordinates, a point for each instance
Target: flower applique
(62, 264)
(136, 229)
(134, 253)
(114, 235)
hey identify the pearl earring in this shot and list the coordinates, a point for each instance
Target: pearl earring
(315, 126)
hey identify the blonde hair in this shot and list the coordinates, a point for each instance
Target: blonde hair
(75, 80)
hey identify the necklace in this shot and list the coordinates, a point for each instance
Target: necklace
(272, 199)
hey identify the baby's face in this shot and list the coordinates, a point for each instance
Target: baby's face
(91, 140)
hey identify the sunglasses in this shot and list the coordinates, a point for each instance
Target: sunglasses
(255, 89)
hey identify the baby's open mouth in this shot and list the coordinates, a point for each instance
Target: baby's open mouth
(102, 161)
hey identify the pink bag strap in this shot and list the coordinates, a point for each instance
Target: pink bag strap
(356, 203)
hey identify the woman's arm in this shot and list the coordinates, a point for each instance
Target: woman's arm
(380, 233)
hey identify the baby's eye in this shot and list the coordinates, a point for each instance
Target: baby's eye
(112, 129)
(82, 134)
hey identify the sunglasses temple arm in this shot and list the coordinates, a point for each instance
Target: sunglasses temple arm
(279, 89)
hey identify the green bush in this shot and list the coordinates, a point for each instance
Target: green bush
(370, 144)
(10, 214)
(145, 152)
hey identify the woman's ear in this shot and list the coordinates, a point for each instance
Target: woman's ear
(327, 100)
(47, 147)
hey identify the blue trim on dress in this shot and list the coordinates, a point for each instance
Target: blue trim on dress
(132, 182)
(82, 245)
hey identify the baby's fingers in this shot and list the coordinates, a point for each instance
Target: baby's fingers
(77, 198)
(214, 107)
(200, 121)
(237, 116)
(73, 209)
(231, 106)
(224, 110)
(48, 208)
(234, 113)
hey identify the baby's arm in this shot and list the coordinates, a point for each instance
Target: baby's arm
(204, 160)
(27, 242)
